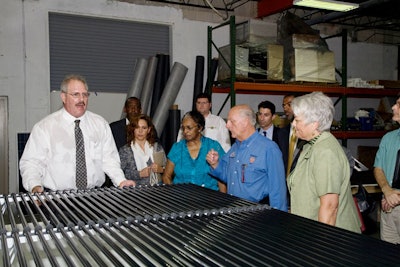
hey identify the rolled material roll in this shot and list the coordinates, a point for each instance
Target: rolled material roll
(198, 79)
(161, 79)
(214, 67)
(138, 78)
(168, 97)
(172, 128)
(148, 84)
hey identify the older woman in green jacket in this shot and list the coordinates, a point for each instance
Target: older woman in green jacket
(319, 185)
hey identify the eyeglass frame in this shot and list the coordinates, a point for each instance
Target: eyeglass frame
(77, 95)
(189, 128)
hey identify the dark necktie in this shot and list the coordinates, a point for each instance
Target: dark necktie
(265, 133)
(81, 176)
(396, 178)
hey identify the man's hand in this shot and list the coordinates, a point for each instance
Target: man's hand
(127, 183)
(37, 189)
(385, 206)
(212, 158)
(392, 198)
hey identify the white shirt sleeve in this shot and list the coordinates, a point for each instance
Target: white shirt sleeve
(49, 156)
(216, 130)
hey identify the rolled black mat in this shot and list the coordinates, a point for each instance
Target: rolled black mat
(162, 74)
(171, 128)
(198, 79)
(214, 67)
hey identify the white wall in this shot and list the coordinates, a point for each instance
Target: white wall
(367, 60)
(24, 60)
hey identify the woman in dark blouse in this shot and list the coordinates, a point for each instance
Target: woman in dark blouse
(142, 158)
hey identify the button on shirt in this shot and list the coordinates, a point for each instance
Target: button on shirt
(49, 155)
(253, 169)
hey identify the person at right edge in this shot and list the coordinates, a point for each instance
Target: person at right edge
(319, 185)
(388, 180)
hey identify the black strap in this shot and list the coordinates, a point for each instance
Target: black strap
(396, 178)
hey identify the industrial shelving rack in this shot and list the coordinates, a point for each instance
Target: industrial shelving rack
(342, 91)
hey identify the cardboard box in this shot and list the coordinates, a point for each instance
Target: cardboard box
(258, 64)
(242, 62)
(312, 65)
(263, 62)
(306, 41)
(387, 83)
(255, 31)
(275, 62)
(266, 62)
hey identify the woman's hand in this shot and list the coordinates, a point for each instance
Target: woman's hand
(144, 173)
(156, 168)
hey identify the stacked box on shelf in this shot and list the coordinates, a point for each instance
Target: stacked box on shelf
(257, 55)
(387, 83)
(254, 32)
(266, 62)
(260, 63)
(312, 61)
(312, 65)
(275, 62)
(242, 62)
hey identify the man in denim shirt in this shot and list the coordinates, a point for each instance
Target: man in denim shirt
(253, 167)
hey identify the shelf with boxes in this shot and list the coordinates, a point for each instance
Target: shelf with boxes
(250, 31)
(331, 90)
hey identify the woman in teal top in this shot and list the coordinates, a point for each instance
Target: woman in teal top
(187, 159)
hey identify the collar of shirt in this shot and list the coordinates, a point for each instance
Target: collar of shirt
(71, 119)
(269, 131)
(249, 140)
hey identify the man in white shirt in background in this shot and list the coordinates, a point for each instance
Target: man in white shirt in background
(50, 155)
(215, 125)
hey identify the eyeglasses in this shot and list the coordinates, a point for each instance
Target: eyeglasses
(286, 104)
(189, 128)
(78, 95)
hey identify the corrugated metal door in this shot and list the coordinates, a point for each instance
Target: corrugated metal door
(105, 51)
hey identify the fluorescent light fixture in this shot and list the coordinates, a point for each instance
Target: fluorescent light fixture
(326, 4)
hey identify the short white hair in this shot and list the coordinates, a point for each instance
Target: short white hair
(315, 107)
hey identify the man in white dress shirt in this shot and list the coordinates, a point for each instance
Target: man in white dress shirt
(49, 158)
(215, 125)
